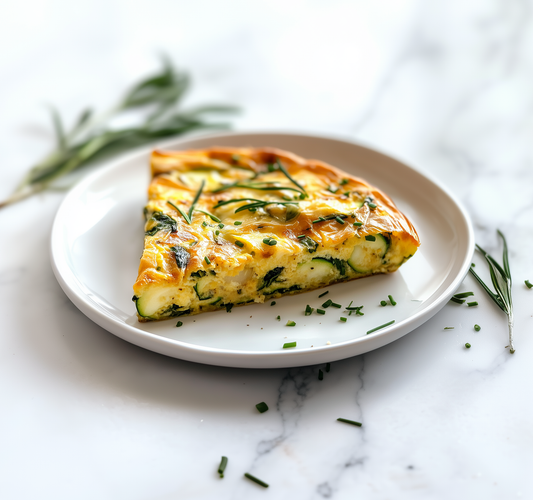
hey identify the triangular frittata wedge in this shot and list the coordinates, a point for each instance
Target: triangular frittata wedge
(227, 227)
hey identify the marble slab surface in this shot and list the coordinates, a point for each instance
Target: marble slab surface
(443, 85)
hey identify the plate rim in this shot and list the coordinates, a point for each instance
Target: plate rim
(241, 358)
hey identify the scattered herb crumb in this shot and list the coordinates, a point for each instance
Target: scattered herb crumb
(467, 345)
(222, 466)
(383, 303)
(352, 422)
(288, 345)
(392, 301)
(528, 284)
(477, 328)
(290, 323)
(320, 311)
(322, 294)
(261, 407)
(449, 327)
(278, 318)
(273, 303)
(343, 319)
(472, 304)
(179, 323)
(256, 480)
(308, 310)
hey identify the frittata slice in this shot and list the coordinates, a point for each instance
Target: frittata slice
(227, 227)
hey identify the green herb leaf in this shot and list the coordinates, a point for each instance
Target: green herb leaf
(256, 480)
(352, 422)
(91, 138)
(222, 466)
(502, 282)
(261, 407)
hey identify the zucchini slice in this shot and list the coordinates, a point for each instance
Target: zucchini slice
(368, 255)
(203, 288)
(317, 270)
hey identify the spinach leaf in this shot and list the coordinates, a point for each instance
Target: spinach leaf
(162, 221)
(270, 277)
(181, 255)
(309, 243)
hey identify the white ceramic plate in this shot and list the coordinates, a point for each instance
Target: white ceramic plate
(97, 241)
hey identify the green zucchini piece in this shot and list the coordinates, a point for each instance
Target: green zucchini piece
(150, 302)
(369, 254)
(202, 288)
(317, 269)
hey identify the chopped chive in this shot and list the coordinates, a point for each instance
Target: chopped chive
(308, 310)
(237, 223)
(288, 345)
(235, 157)
(343, 182)
(392, 300)
(346, 193)
(477, 328)
(204, 223)
(270, 241)
(322, 294)
(472, 304)
(206, 258)
(463, 295)
(328, 367)
(290, 323)
(320, 311)
(179, 323)
(343, 319)
(221, 225)
(528, 284)
(273, 303)
(255, 480)
(326, 304)
(271, 167)
(282, 168)
(222, 466)
(380, 327)
(261, 407)
(383, 303)
(214, 218)
(229, 307)
(371, 205)
(346, 421)
(320, 375)
(278, 318)
(358, 224)
(339, 220)
(334, 304)
(239, 243)
(468, 346)
(449, 327)
(457, 301)
(472, 265)
(301, 236)
(217, 232)
(370, 237)
(316, 220)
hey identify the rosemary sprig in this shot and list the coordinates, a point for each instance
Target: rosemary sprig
(502, 282)
(260, 186)
(91, 138)
(254, 205)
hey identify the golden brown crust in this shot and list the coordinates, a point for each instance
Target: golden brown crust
(174, 180)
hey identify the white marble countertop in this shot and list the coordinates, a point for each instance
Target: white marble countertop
(443, 85)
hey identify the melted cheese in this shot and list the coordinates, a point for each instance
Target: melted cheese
(206, 265)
